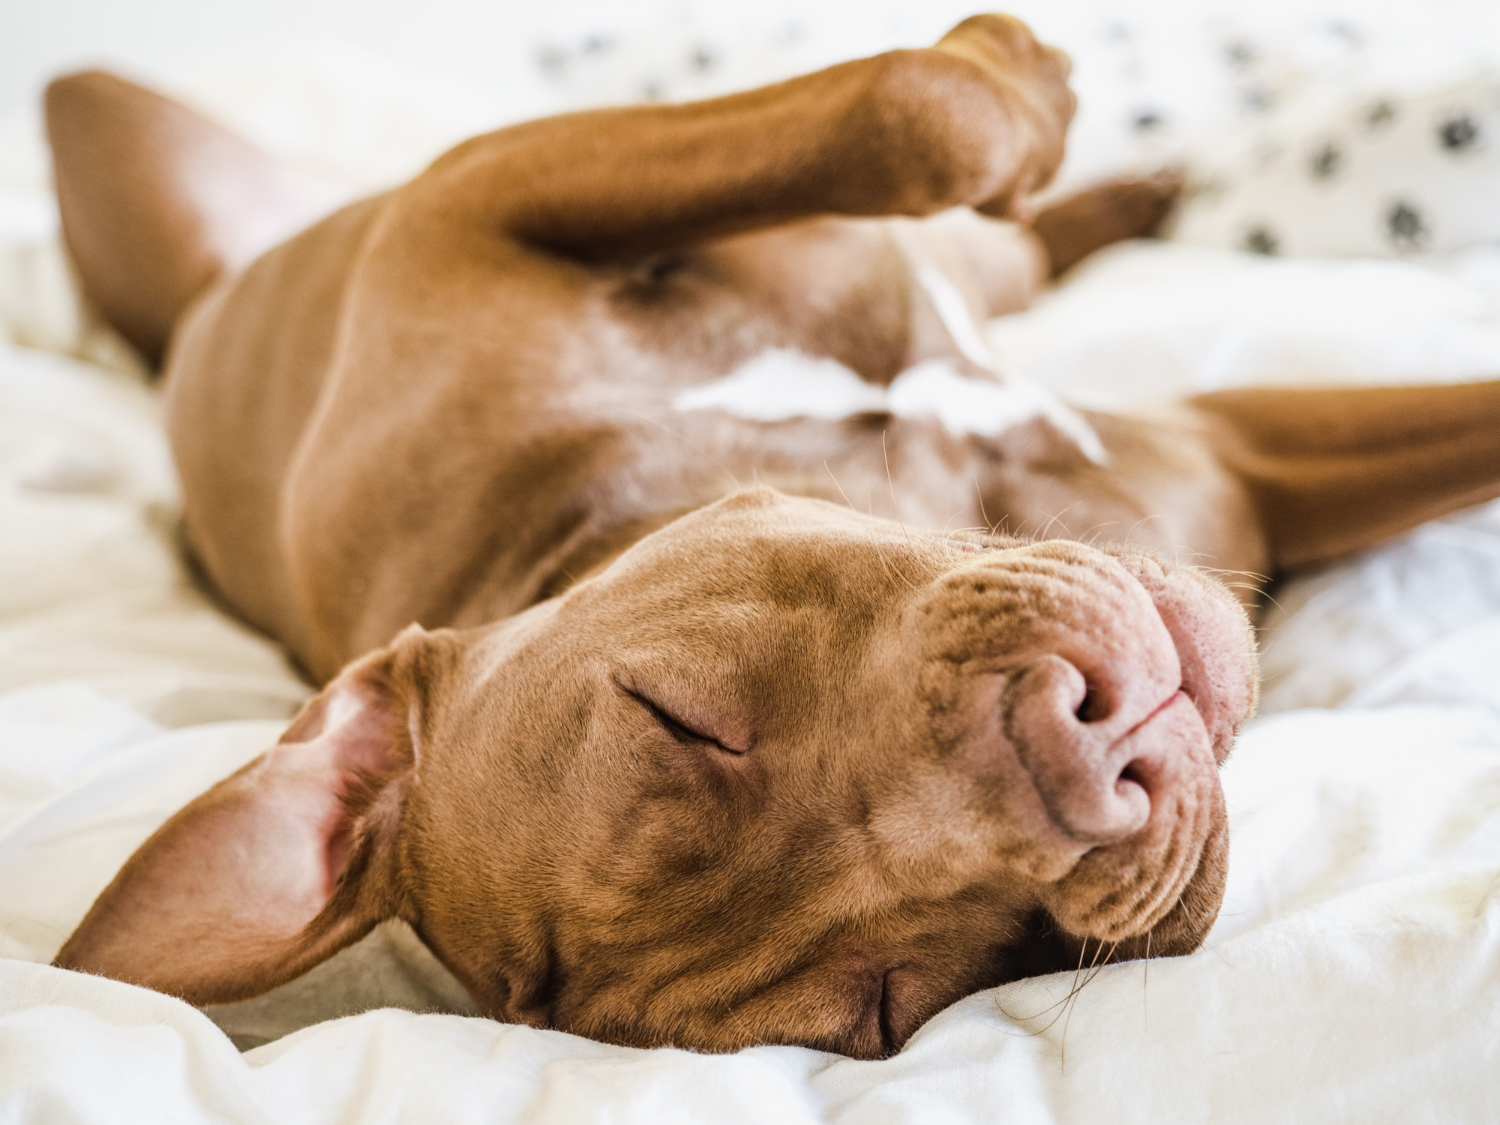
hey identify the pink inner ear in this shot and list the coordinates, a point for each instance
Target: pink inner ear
(217, 904)
(313, 787)
(356, 740)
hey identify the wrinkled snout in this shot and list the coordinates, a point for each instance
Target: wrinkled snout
(1098, 695)
(1132, 700)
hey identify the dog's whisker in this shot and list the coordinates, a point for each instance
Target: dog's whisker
(837, 485)
(979, 494)
(1093, 973)
(1057, 519)
(896, 504)
(683, 438)
(1146, 984)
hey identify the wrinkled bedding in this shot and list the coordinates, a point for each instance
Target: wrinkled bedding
(1354, 974)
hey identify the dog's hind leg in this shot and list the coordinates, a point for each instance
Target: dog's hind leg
(157, 201)
(1335, 470)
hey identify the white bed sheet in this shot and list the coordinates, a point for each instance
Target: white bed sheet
(1354, 974)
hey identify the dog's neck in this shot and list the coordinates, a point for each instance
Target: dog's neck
(667, 463)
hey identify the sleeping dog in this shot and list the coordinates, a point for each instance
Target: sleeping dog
(657, 422)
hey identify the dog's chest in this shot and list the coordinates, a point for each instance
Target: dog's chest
(935, 364)
(832, 364)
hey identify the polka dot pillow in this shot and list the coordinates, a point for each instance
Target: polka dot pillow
(1257, 101)
(1372, 175)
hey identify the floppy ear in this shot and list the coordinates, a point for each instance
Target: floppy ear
(280, 865)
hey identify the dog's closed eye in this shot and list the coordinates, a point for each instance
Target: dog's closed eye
(675, 726)
(687, 730)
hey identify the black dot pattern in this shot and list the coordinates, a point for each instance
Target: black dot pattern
(1383, 176)
(1261, 240)
(1325, 162)
(1380, 114)
(1458, 133)
(1403, 224)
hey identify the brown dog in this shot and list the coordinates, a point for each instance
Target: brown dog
(681, 762)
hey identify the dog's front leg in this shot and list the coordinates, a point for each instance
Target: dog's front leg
(977, 120)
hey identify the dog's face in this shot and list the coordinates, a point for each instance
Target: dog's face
(780, 774)
(785, 774)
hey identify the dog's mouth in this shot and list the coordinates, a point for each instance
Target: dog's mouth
(1042, 945)
(1043, 948)
(897, 1002)
(881, 1016)
(1179, 927)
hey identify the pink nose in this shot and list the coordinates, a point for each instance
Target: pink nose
(1101, 752)
(1124, 711)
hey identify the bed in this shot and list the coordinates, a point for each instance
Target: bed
(1354, 973)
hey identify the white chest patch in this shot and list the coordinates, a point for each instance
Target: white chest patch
(963, 405)
(782, 383)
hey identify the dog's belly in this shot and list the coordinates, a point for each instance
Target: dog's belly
(246, 367)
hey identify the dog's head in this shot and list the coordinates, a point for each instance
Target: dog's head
(780, 774)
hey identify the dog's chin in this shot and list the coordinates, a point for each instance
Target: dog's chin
(1045, 946)
(904, 1002)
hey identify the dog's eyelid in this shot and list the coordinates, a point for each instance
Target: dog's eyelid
(674, 725)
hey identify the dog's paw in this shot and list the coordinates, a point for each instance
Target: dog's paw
(1079, 224)
(1032, 79)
